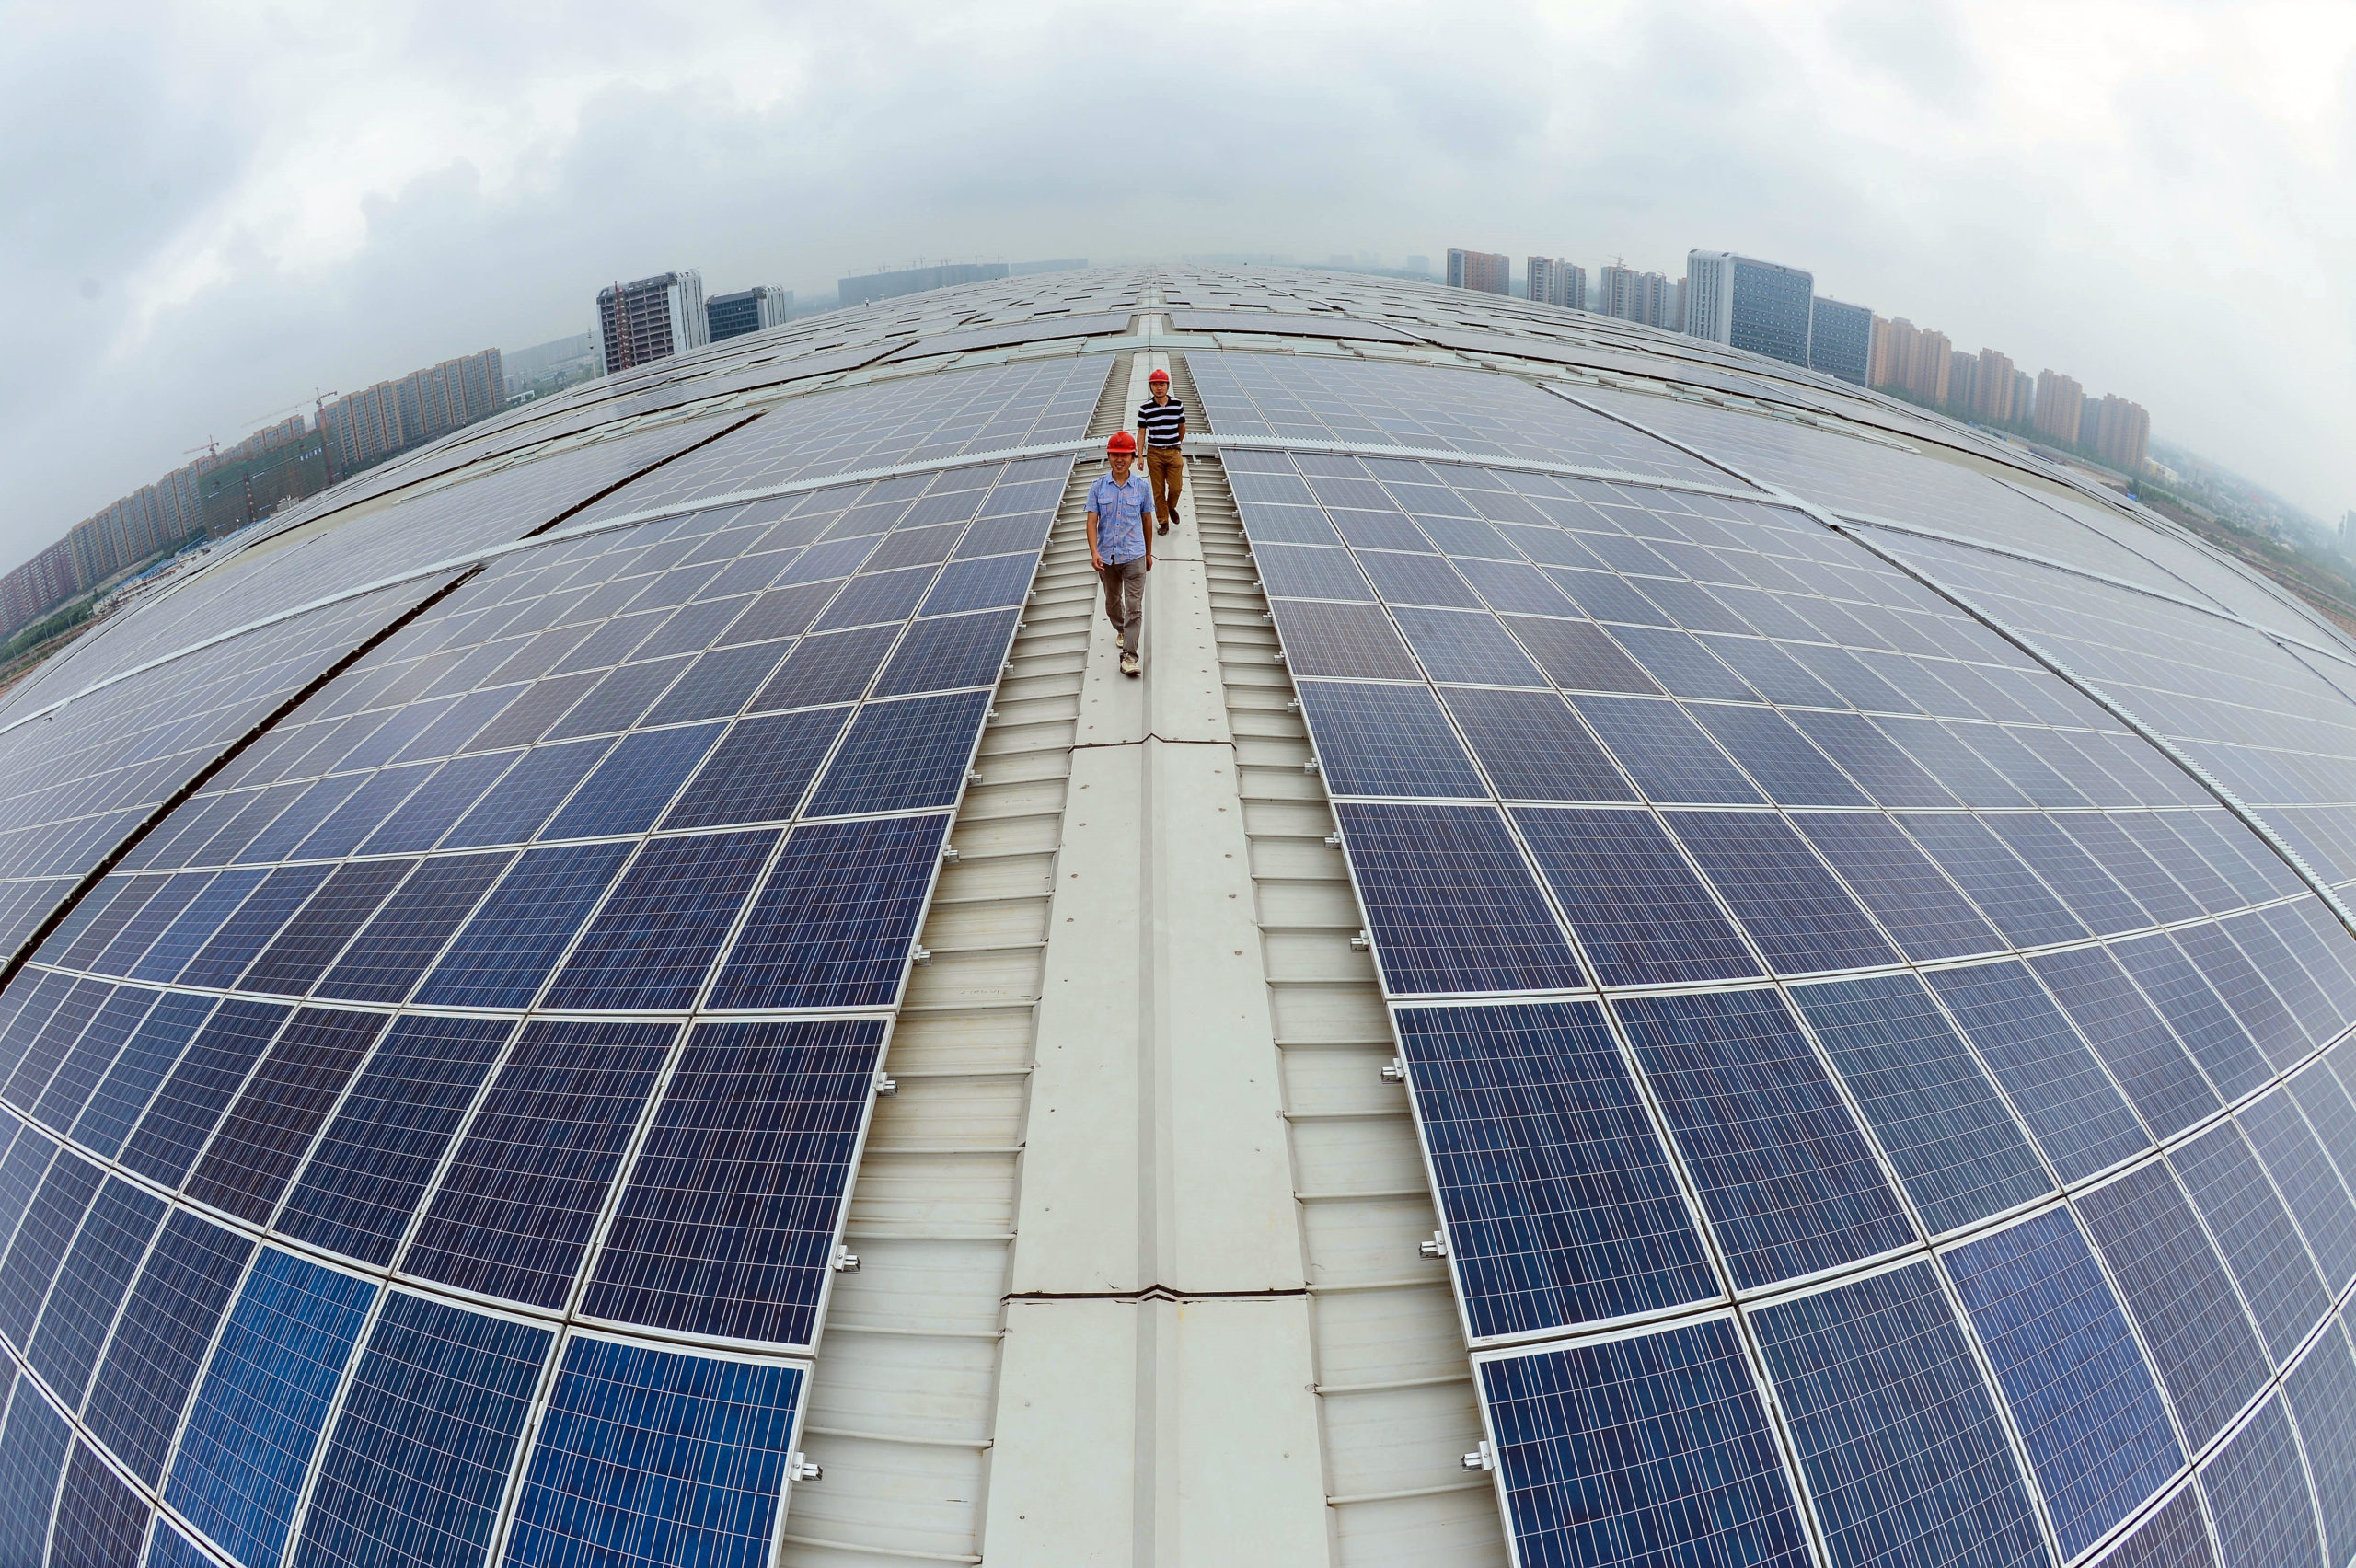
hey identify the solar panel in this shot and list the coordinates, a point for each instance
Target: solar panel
(91, 1285)
(159, 1343)
(2317, 1393)
(1560, 1203)
(237, 1472)
(2207, 1353)
(2256, 1488)
(655, 1457)
(268, 1131)
(1643, 1448)
(512, 1215)
(1388, 740)
(424, 1437)
(1801, 918)
(728, 1222)
(654, 940)
(2096, 1430)
(371, 1167)
(1881, 1368)
(2256, 1232)
(836, 923)
(1790, 1185)
(1956, 1150)
(34, 1446)
(1451, 902)
(1640, 912)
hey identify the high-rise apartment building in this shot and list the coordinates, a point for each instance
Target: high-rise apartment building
(2348, 529)
(1553, 280)
(2060, 402)
(747, 310)
(2119, 432)
(372, 424)
(1762, 306)
(1484, 270)
(1841, 339)
(1963, 378)
(869, 287)
(1647, 298)
(1912, 359)
(651, 318)
(1996, 384)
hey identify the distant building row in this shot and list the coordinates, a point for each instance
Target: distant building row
(1988, 386)
(224, 490)
(369, 426)
(1768, 308)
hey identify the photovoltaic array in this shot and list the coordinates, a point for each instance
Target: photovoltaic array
(1821, 1014)
(432, 1138)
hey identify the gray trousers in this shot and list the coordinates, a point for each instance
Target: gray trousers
(1124, 599)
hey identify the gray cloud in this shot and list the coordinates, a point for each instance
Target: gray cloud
(276, 201)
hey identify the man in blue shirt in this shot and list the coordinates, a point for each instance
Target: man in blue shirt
(1120, 542)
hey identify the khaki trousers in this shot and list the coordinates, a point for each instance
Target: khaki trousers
(1124, 599)
(1165, 469)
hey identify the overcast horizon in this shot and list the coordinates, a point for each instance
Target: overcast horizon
(213, 210)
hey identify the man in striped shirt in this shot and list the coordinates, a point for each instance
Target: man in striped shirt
(1162, 422)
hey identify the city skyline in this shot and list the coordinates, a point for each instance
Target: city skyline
(297, 215)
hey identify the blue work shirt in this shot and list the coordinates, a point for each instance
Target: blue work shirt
(1121, 513)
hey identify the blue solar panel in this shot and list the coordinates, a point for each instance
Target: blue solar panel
(139, 933)
(654, 940)
(2005, 891)
(1577, 656)
(363, 1182)
(2175, 1536)
(1668, 756)
(1790, 1185)
(1801, 918)
(835, 667)
(33, 1448)
(2132, 1041)
(656, 1457)
(2071, 1108)
(438, 804)
(1390, 740)
(102, 1522)
(91, 1285)
(1560, 1203)
(2143, 877)
(1791, 771)
(513, 1214)
(761, 771)
(1305, 572)
(1341, 639)
(1880, 1369)
(1534, 747)
(160, 1340)
(903, 756)
(2320, 1392)
(1955, 1146)
(256, 920)
(729, 1219)
(1451, 904)
(836, 920)
(384, 960)
(946, 652)
(93, 1057)
(1924, 912)
(1652, 1450)
(634, 784)
(2093, 1422)
(43, 1237)
(2216, 1039)
(2209, 950)
(2256, 1488)
(1886, 773)
(2304, 1173)
(424, 1441)
(238, 1471)
(2176, 1289)
(2255, 1231)
(266, 1134)
(1639, 911)
(54, 1038)
(505, 951)
(1457, 645)
(522, 800)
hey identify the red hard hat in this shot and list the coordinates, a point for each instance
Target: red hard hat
(1158, 376)
(1121, 442)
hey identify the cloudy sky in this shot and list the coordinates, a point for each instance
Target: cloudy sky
(208, 210)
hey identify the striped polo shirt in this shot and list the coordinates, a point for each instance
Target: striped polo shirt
(1161, 421)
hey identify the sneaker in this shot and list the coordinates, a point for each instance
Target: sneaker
(1163, 529)
(1129, 665)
